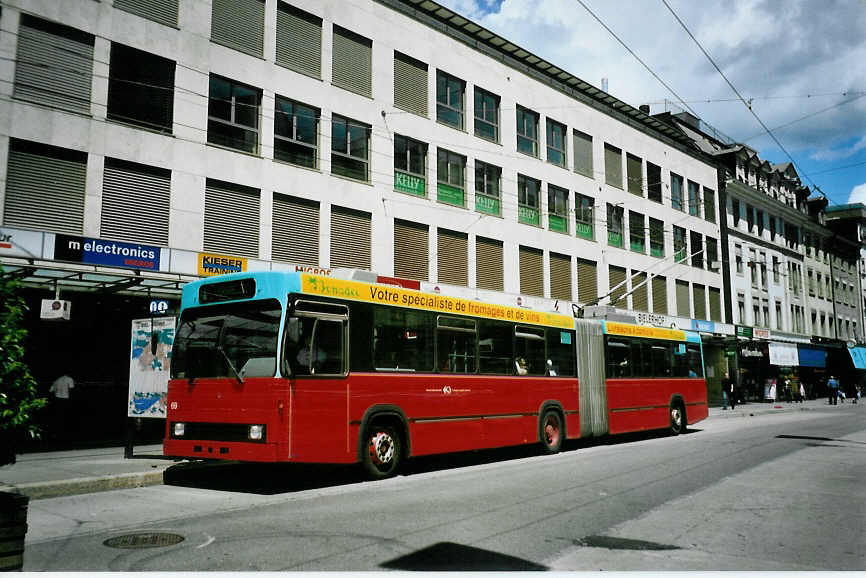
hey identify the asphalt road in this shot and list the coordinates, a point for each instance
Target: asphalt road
(774, 492)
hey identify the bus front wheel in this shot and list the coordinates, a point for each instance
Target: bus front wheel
(382, 451)
(678, 418)
(551, 432)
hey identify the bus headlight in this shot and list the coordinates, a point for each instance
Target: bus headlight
(256, 432)
(179, 429)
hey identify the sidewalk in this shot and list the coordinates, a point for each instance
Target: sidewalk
(65, 473)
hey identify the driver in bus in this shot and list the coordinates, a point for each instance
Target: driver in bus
(305, 354)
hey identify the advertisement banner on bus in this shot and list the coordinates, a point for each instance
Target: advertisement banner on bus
(627, 330)
(397, 296)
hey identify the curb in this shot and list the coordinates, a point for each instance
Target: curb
(75, 486)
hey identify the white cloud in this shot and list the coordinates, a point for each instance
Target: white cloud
(843, 153)
(858, 194)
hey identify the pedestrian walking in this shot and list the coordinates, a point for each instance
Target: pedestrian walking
(802, 392)
(61, 390)
(728, 392)
(833, 390)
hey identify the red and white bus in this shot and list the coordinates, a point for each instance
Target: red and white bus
(292, 367)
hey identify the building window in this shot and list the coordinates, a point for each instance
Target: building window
(615, 215)
(677, 192)
(760, 219)
(709, 205)
(449, 99)
(738, 249)
(410, 84)
(753, 267)
(697, 243)
(410, 166)
(741, 308)
(350, 148)
(779, 315)
(162, 11)
(140, 88)
(299, 40)
(657, 237)
(488, 194)
(712, 254)
(239, 24)
(583, 212)
(776, 271)
(233, 114)
(694, 199)
(557, 209)
(634, 174)
(486, 115)
(750, 218)
(636, 232)
(612, 166)
(351, 62)
(763, 264)
(528, 200)
(556, 145)
(451, 175)
(735, 211)
(654, 182)
(527, 131)
(296, 133)
(681, 251)
(582, 153)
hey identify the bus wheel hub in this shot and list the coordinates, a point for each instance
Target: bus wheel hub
(381, 448)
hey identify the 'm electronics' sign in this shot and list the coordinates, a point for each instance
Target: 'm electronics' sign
(102, 252)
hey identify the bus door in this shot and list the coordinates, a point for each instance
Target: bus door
(315, 359)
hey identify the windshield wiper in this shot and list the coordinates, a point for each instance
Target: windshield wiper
(230, 364)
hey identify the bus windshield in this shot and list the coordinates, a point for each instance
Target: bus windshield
(235, 340)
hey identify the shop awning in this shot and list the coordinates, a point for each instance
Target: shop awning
(812, 356)
(858, 356)
(784, 354)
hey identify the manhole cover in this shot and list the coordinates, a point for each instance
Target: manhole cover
(144, 540)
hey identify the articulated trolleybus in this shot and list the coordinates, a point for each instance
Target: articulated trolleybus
(292, 367)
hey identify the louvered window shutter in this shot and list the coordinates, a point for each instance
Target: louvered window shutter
(352, 62)
(295, 232)
(531, 271)
(683, 308)
(700, 301)
(452, 259)
(660, 295)
(616, 277)
(162, 11)
(350, 238)
(715, 305)
(55, 65)
(613, 166)
(411, 250)
(44, 188)
(239, 24)
(299, 40)
(410, 84)
(560, 276)
(489, 273)
(231, 219)
(135, 202)
(639, 298)
(587, 281)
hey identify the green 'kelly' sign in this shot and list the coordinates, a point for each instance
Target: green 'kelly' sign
(450, 195)
(406, 183)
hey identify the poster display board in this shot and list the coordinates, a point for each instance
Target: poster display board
(150, 366)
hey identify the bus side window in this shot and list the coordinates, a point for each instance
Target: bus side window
(661, 359)
(494, 348)
(693, 353)
(618, 352)
(529, 345)
(299, 345)
(560, 352)
(455, 345)
(328, 348)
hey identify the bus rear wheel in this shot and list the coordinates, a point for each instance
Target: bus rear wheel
(382, 451)
(678, 418)
(551, 432)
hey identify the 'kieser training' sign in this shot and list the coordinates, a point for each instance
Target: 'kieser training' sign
(358, 291)
(102, 252)
(209, 264)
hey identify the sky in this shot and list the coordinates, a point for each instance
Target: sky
(799, 64)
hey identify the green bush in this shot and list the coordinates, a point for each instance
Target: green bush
(19, 398)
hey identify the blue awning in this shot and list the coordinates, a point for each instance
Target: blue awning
(858, 356)
(812, 356)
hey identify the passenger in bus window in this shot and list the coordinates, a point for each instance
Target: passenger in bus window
(520, 365)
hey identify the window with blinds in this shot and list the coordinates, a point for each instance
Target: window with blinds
(239, 24)
(639, 296)
(411, 250)
(352, 64)
(126, 188)
(618, 286)
(453, 257)
(299, 40)
(295, 230)
(582, 153)
(489, 273)
(660, 295)
(162, 11)
(351, 234)
(634, 174)
(231, 219)
(587, 281)
(54, 65)
(410, 84)
(683, 307)
(560, 277)
(140, 88)
(531, 271)
(612, 166)
(700, 298)
(44, 188)
(715, 304)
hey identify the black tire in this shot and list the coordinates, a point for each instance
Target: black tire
(551, 431)
(677, 415)
(382, 451)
